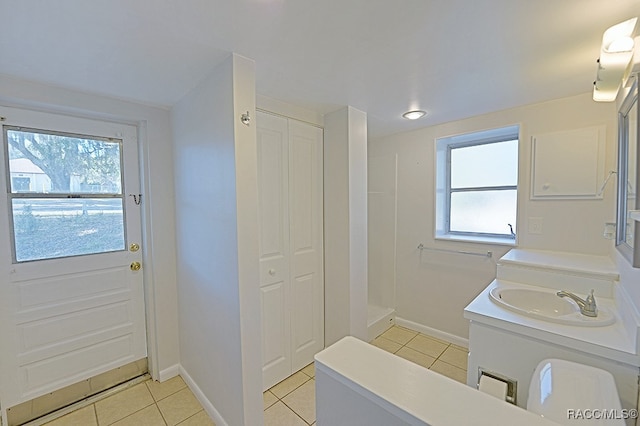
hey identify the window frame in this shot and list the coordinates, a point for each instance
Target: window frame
(11, 196)
(444, 190)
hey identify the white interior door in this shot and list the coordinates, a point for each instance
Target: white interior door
(273, 206)
(306, 217)
(291, 245)
(71, 301)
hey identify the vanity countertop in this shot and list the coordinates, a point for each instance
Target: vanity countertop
(613, 341)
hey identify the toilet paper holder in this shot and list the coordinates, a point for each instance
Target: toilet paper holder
(512, 384)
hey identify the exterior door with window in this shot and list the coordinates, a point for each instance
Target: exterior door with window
(71, 291)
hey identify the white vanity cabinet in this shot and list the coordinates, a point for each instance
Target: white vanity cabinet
(510, 345)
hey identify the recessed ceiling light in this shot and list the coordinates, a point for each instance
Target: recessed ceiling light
(415, 114)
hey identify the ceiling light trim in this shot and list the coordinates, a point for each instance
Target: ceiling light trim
(414, 114)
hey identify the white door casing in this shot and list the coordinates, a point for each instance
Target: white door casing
(291, 244)
(67, 319)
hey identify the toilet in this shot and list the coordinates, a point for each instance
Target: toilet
(572, 394)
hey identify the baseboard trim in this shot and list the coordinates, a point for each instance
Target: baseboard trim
(380, 325)
(169, 372)
(204, 401)
(451, 338)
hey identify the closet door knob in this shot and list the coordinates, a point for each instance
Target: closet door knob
(272, 272)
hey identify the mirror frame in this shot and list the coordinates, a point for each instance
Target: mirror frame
(632, 254)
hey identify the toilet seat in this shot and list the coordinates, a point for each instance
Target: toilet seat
(567, 392)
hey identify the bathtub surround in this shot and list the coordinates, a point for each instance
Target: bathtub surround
(433, 288)
(381, 221)
(345, 210)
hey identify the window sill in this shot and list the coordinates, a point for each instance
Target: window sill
(481, 240)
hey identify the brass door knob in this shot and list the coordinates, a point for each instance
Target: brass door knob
(135, 266)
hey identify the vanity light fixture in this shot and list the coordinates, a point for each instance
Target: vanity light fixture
(616, 53)
(415, 114)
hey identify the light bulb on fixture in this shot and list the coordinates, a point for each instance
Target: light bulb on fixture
(616, 53)
(414, 115)
(621, 44)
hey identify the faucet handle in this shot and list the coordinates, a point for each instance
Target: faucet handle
(591, 300)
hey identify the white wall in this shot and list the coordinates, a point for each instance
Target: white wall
(433, 288)
(217, 244)
(345, 224)
(154, 135)
(286, 109)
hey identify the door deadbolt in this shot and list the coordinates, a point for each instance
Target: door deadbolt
(135, 266)
(134, 247)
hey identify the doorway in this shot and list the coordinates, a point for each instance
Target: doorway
(71, 294)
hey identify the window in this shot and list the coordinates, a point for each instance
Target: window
(65, 194)
(476, 186)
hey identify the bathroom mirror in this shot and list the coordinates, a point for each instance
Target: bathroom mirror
(628, 229)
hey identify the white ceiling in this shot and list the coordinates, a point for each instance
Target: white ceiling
(454, 58)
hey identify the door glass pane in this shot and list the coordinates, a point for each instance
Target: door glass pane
(483, 211)
(492, 164)
(51, 163)
(52, 228)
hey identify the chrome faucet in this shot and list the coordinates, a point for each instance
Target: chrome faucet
(587, 307)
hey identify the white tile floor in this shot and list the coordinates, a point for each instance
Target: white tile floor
(435, 354)
(289, 403)
(146, 404)
(292, 401)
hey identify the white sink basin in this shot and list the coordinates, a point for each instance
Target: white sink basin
(545, 305)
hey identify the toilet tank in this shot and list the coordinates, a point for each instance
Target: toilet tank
(567, 392)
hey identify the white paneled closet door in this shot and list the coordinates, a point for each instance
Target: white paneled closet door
(291, 245)
(306, 230)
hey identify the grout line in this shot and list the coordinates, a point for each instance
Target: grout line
(297, 387)
(129, 415)
(449, 345)
(299, 371)
(165, 397)
(292, 390)
(452, 365)
(91, 400)
(193, 415)
(278, 399)
(162, 415)
(294, 412)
